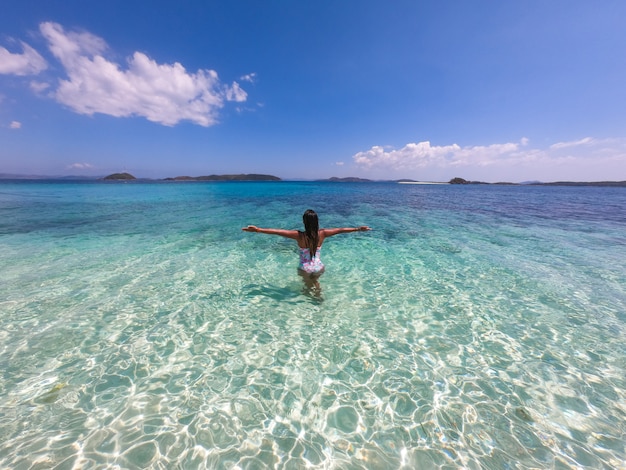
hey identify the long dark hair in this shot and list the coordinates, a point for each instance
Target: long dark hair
(311, 230)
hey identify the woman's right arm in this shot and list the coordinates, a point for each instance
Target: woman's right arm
(293, 234)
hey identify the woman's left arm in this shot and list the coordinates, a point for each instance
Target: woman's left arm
(329, 232)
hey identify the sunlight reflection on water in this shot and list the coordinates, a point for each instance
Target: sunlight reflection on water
(141, 328)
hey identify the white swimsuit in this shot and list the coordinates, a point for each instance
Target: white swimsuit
(308, 265)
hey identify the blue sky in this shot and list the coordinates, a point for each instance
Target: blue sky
(428, 90)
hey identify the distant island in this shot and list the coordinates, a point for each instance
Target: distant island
(120, 176)
(593, 183)
(242, 177)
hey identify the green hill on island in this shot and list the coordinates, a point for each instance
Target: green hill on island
(242, 177)
(119, 176)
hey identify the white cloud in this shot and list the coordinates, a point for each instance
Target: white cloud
(584, 159)
(163, 93)
(235, 93)
(423, 154)
(80, 166)
(27, 63)
(15, 125)
(339, 163)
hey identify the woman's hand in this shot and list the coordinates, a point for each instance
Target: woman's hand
(363, 228)
(250, 228)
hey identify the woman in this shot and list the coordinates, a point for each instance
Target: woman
(310, 242)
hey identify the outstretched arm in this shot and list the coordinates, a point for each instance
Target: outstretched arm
(329, 232)
(293, 234)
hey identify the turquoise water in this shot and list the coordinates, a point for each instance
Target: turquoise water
(473, 327)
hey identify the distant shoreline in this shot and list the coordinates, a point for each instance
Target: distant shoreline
(461, 181)
(252, 177)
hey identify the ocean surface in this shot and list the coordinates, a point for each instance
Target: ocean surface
(477, 327)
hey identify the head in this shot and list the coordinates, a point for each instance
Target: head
(311, 223)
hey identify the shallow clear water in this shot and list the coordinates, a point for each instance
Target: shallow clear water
(475, 327)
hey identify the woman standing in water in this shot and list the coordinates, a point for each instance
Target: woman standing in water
(309, 242)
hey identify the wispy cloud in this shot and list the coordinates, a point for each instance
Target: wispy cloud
(39, 87)
(251, 77)
(575, 143)
(15, 125)
(80, 166)
(29, 62)
(162, 93)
